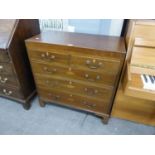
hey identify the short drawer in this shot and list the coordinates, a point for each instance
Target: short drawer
(85, 75)
(10, 92)
(4, 57)
(75, 101)
(72, 86)
(6, 68)
(49, 57)
(8, 80)
(107, 66)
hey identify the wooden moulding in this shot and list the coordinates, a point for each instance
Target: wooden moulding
(133, 86)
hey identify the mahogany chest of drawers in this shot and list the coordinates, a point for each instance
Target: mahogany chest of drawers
(77, 70)
(16, 80)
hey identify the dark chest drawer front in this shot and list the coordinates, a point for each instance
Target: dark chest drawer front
(77, 74)
(71, 86)
(4, 57)
(49, 57)
(6, 68)
(8, 80)
(71, 100)
(10, 92)
(107, 66)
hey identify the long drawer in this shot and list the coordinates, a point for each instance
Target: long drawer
(73, 100)
(74, 73)
(6, 68)
(99, 64)
(72, 86)
(10, 92)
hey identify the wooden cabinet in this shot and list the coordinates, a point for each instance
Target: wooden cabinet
(16, 80)
(132, 101)
(77, 70)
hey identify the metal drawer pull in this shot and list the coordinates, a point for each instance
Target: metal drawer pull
(93, 64)
(3, 80)
(70, 84)
(89, 105)
(57, 97)
(91, 79)
(48, 56)
(71, 97)
(50, 71)
(7, 93)
(91, 91)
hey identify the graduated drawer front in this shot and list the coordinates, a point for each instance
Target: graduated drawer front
(88, 75)
(10, 92)
(4, 57)
(8, 80)
(6, 68)
(74, 87)
(49, 57)
(99, 64)
(73, 100)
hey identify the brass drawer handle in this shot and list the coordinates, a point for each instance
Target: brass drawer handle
(91, 79)
(91, 91)
(70, 84)
(54, 70)
(4, 80)
(93, 64)
(57, 97)
(89, 105)
(7, 93)
(47, 56)
(71, 97)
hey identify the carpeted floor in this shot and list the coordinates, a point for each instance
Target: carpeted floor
(59, 120)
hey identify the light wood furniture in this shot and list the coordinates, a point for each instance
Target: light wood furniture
(132, 102)
(77, 70)
(16, 80)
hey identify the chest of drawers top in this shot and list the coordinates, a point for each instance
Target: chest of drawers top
(79, 40)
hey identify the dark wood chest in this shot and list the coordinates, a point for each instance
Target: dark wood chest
(16, 80)
(77, 70)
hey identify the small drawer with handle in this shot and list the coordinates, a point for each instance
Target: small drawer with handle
(9, 80)
(10, 92)
(108, 66)
(49, 57)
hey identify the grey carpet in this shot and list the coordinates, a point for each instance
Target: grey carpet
(59, 120)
